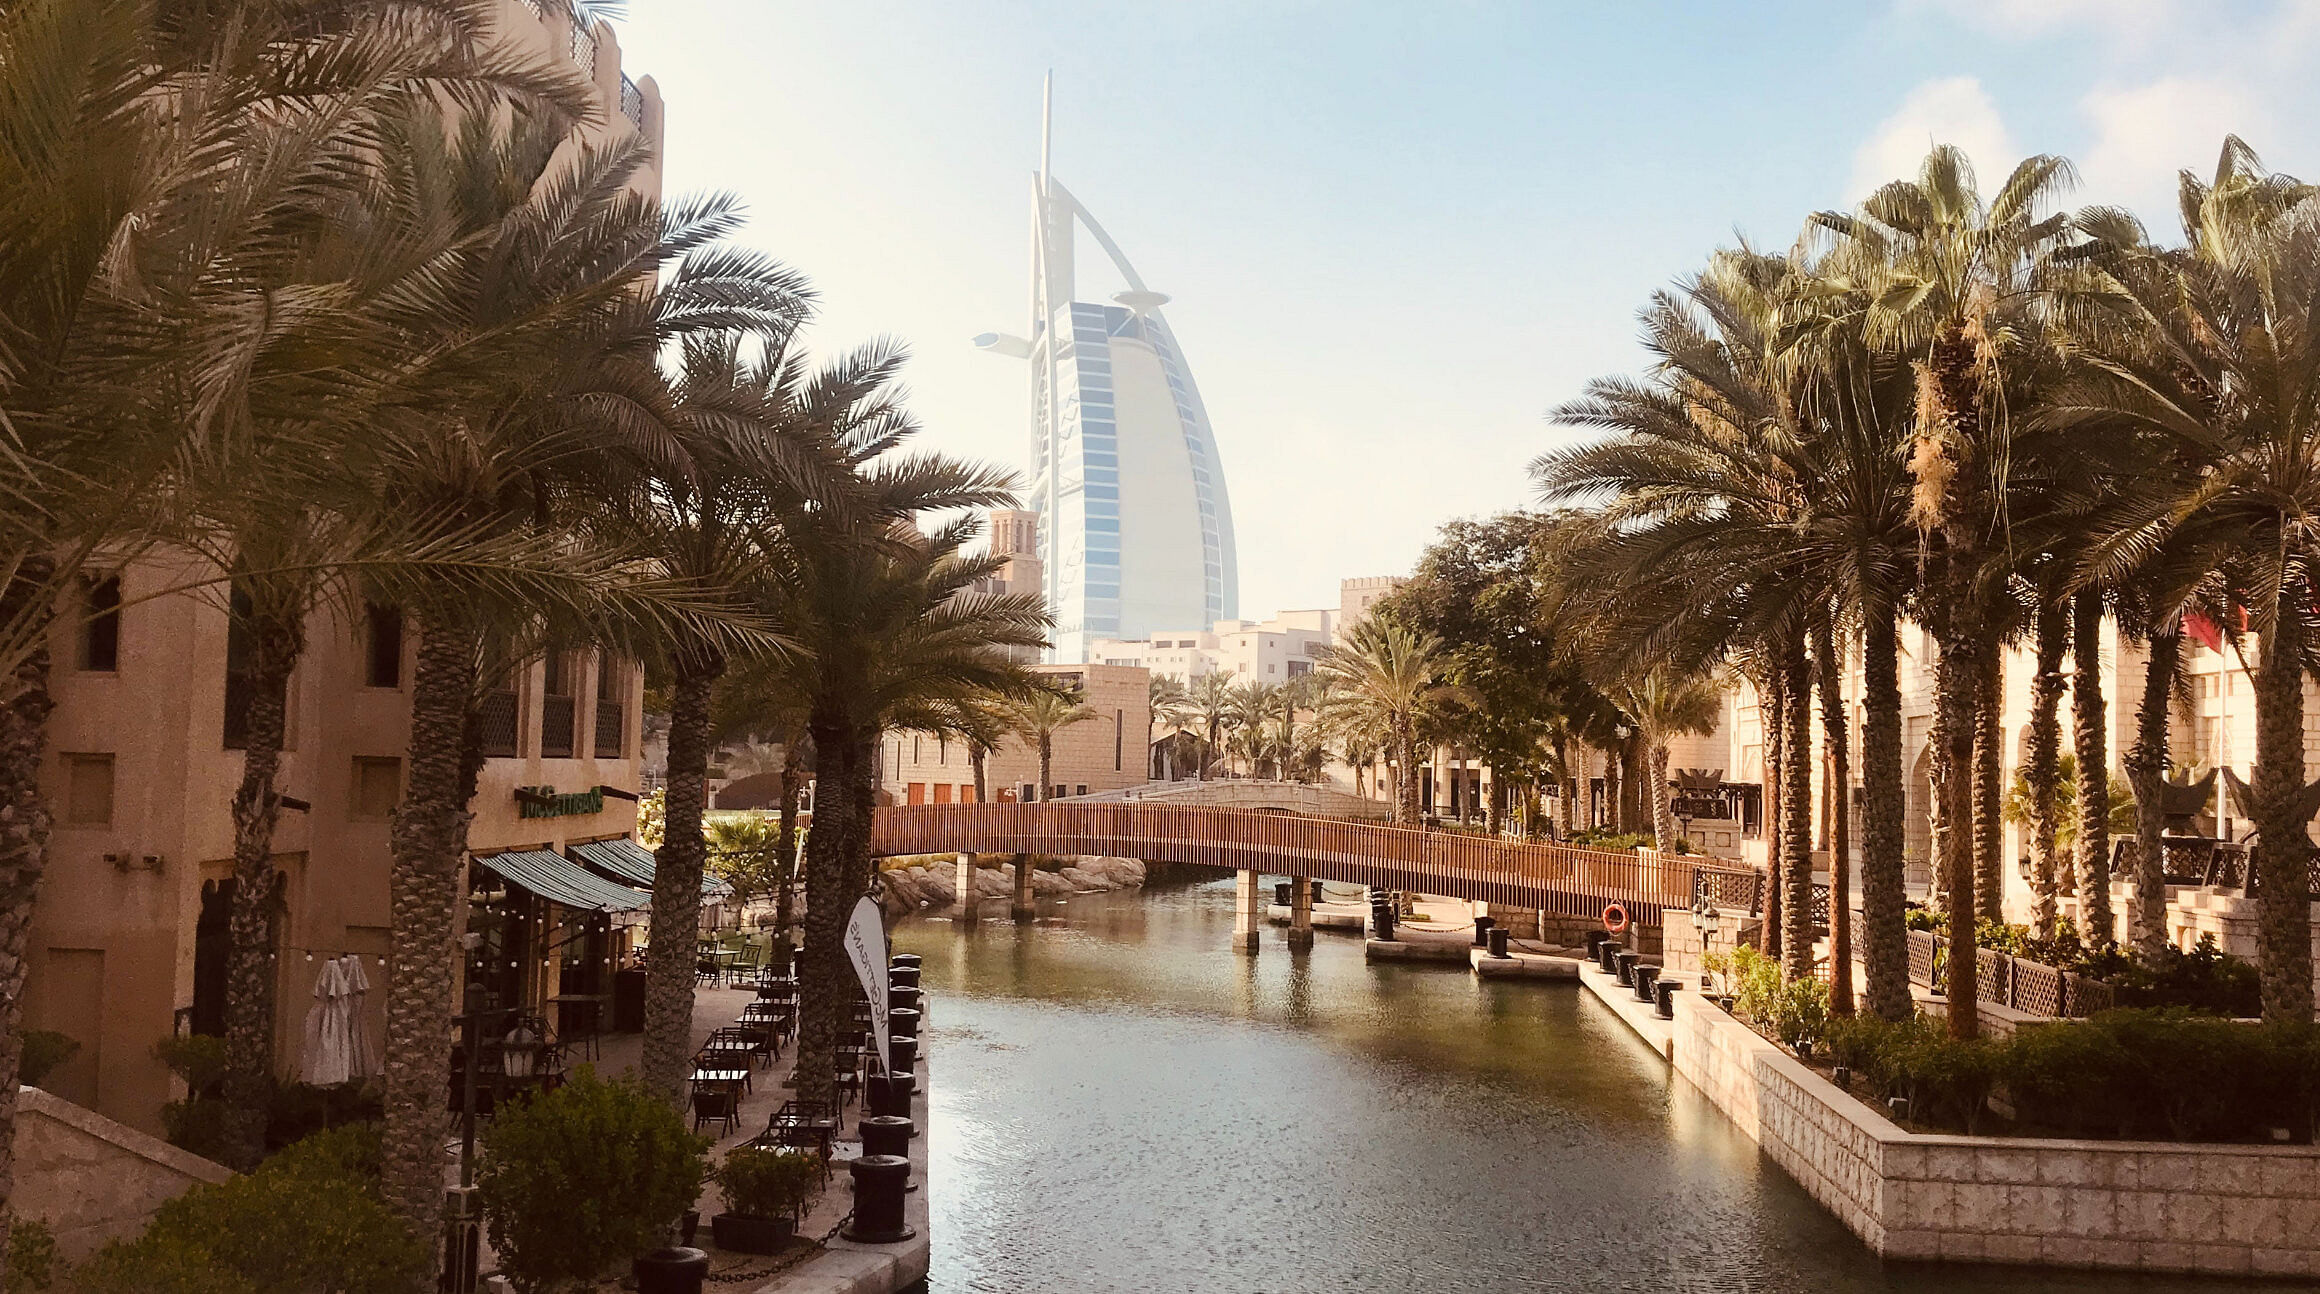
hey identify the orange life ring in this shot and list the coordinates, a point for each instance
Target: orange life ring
(1614, 918)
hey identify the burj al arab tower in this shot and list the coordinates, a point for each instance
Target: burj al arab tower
(1135, 528)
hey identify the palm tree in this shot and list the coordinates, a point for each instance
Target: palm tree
(1389, 674)
(1211, 702)
(2216, 372)
(890, 630)
(1665, 706)
(1958, 285)
(1038, 717)
(533, 393)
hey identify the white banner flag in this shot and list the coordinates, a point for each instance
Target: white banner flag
(866, 945)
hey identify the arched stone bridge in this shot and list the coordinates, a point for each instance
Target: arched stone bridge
(1554, 878)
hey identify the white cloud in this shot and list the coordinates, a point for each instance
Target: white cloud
(2143, 135)
(2130, 20)
(1954, 110)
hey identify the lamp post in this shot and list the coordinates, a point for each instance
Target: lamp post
(1706, 920)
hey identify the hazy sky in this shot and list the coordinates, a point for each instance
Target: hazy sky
(1397, 234)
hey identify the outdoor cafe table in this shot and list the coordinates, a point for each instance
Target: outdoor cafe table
(706, 1074)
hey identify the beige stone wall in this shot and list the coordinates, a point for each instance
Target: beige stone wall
(1110, 752)
(91, 1180)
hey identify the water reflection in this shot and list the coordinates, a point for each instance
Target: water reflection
(1122, 1103)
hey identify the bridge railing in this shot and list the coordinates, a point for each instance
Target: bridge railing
(1560, 879)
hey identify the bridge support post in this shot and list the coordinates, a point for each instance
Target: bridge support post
(1248, 913)
(1300, 912)
(1021, 908)
(967, 908)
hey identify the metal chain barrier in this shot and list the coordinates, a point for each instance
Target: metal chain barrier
(785, 1263)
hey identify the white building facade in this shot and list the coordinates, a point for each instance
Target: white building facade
(1134, 523)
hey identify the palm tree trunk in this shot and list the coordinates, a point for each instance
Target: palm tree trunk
(837, 860)
(1884, 929)
(1406, 775)
(1989, 797)
(1566, 786)
(1614, 821)
(429, 840)
(2087, 742)
(2281, 806)
(671, 957)
(1834, 733)
(1957, 689)
(24, 826)
(785, 851)
(2146, 764)
(1796, 808)
(1046, 766)
(976, 759)
(1771, 713)
(251, 969)
(1663, 818)
(2042, 771)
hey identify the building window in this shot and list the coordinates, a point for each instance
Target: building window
(241, 689)
(917, 793)
(382, 646)
(378, 787)
(611, 707)
(1119, 728)
(558, 727)
(1030, 792)
(942, 793)
(1082, 789)
(101, 629)
(88, 790)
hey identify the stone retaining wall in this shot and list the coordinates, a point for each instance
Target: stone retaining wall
(90, 1179)
(2141, 1205)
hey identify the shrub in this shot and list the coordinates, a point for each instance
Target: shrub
(44, 1050)
(2205, 979)
(1717, 964)
(310, 1218)
(1946, 1081)
(768, 1183)
(1798, 1013)
(2064, 1076)
(198, 1060)
(584, 1176)
(298, 1111)
(1926, 919)
(1757, 982)
(31, 1258)
(150, 1265)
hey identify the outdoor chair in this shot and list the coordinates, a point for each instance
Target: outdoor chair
(801, 1125)
(716, 1103)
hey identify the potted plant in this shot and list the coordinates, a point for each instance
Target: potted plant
(765, 1191)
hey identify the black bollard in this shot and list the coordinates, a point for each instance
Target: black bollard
(887, 1134)
(672, 1271)
(1381, 915)
(1595, 940)
(1482, 927)
(904, 1051)
(1498, 942)
(890, 1093)
(903, 1021)
(879, 1183)
(1665, 991)
(904, 999)
(1643, 976)
(902, 977)
(904, 959)
(1625, 963)
(1284, 893)
(1316, 891)
(1605, 953)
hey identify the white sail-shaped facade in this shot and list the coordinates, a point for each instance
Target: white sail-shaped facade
(1135, 525)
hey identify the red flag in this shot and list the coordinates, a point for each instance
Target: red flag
(2206, 631)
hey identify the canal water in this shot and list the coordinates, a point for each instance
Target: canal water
(1120, 1102)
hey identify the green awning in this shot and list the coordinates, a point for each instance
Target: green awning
(630, 863)
(556, 879)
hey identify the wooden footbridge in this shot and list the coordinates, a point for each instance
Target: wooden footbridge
(1557, 879)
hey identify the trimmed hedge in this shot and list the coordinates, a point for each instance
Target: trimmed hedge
(2152, 1074)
